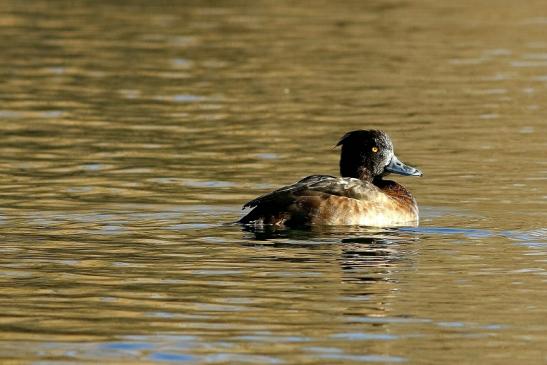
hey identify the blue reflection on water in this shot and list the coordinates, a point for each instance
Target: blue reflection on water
(167, 356)
(126, 346)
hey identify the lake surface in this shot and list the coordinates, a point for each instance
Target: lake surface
(132, 132)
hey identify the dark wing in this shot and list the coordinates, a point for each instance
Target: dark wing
(282, 205)
(348, 187)
(286, 191)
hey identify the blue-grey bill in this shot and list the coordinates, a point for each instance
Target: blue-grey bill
(397, 167)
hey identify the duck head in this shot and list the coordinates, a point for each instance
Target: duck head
(368, 154)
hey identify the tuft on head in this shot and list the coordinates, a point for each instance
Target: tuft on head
(361, 136)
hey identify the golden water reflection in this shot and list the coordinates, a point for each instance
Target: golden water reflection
(132, 132)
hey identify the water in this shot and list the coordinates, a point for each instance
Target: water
(132, 132)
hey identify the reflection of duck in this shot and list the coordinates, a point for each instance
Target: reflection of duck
(360, 197)
(362, 254)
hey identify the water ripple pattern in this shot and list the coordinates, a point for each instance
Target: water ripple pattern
(133, 131)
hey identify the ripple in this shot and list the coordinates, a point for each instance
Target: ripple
(358, 336)
(363, 358)
(170, 357)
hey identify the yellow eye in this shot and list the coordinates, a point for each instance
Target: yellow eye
(374, 149)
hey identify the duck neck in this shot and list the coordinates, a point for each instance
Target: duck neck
(357, 172)
(378, 181)
(351, 165)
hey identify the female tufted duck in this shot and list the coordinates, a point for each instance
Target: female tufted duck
(360, 197)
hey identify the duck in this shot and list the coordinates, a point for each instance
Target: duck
(359, 196)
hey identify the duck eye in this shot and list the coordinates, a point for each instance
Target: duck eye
(374, 149)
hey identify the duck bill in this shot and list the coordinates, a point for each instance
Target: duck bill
(397, 167)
